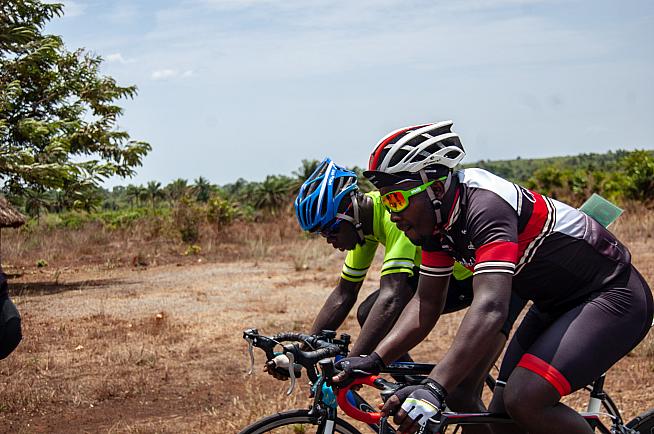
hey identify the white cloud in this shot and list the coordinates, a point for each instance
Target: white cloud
(163, 74)
(118, 58)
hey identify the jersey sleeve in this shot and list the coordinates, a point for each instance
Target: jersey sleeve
(493, 226)
(358, 261)
(401, 255)
(436, 263)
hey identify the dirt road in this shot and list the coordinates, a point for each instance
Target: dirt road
(160, 349)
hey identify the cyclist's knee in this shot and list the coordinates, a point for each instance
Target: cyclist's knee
(527, 393)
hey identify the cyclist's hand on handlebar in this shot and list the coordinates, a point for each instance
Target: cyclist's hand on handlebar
(279, 373)
(353, 367)
(413, 406)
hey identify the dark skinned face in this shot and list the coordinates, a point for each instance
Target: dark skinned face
(417, 220)
(344, 237)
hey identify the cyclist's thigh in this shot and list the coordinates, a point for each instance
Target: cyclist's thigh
(585, 341)
(531, 327)
(515, 307)
(366, 305)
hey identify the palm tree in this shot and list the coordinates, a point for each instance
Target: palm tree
(177, 189)
(202, 188)
(272, 193)
(153, 191)
(133, 194)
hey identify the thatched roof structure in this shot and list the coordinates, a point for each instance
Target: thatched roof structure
(9, 217)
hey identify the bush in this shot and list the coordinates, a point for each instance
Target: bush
(187, 217)
(220, 212)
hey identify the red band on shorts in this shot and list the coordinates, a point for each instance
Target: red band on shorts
(547, 371)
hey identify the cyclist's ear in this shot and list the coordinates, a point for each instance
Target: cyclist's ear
(438, 188)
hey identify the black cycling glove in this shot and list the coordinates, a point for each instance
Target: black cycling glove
(355, 367)
(422, 402)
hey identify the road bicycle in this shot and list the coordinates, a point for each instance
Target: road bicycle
(316, 355)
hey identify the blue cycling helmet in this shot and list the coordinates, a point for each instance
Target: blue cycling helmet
(317, 203)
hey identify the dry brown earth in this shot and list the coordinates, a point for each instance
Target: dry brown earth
(160, 349)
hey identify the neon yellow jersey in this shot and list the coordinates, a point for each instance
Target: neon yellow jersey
(401, 256)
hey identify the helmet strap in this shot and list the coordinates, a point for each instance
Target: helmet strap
(358, 226)
(436, 203)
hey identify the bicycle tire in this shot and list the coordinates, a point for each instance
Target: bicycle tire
(294, 419)
(643, 423)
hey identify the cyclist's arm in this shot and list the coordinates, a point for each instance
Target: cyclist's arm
(417, 319)
(337, 306)
(489, 310)
(394, 294)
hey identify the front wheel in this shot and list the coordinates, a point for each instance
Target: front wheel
(298, 421)
(644, 423)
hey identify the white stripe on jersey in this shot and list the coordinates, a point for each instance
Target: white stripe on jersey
(530, 251)
(353, 272)
(391, 263)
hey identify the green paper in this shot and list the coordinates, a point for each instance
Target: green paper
(600, 209)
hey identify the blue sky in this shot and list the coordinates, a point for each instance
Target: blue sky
(246, 88)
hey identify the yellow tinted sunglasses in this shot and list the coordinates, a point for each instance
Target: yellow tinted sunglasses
(398, 200)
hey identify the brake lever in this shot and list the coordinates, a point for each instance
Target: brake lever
(291, 372)
(251, 353)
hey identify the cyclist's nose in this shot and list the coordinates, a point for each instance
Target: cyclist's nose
(395, 217)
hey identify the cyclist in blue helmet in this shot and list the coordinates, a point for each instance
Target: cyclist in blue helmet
(331, 204)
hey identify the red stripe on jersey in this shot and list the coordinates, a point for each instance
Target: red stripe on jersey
(454, 204)
(436, 259)
(535, 224)
(547, 371)
(505, 251)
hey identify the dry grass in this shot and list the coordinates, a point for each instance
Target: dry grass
(158, 349)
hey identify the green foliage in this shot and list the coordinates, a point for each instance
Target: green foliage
(617, 176)
(58, 115)
(220, 212)
(193, 249)
(639, 170)
(272, 194)
(202, 189)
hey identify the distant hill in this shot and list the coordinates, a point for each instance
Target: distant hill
(521, 170)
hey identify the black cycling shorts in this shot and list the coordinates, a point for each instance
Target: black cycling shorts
(459, 296)
(572, 348)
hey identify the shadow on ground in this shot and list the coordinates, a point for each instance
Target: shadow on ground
(51, 287)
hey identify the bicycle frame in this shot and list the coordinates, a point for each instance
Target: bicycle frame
(325, 408)
(449, 418)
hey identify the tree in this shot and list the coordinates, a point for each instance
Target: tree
(154, 192)
(639, 170)
(57, 113)
(272, 194)
(202, 188)
(133, 194)
(177, 189)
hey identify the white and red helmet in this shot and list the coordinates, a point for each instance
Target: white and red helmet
(404, 153)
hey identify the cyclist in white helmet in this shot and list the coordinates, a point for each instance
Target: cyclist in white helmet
(329, 203)
(590, 305)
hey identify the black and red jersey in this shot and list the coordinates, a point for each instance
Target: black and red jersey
(556, 253)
